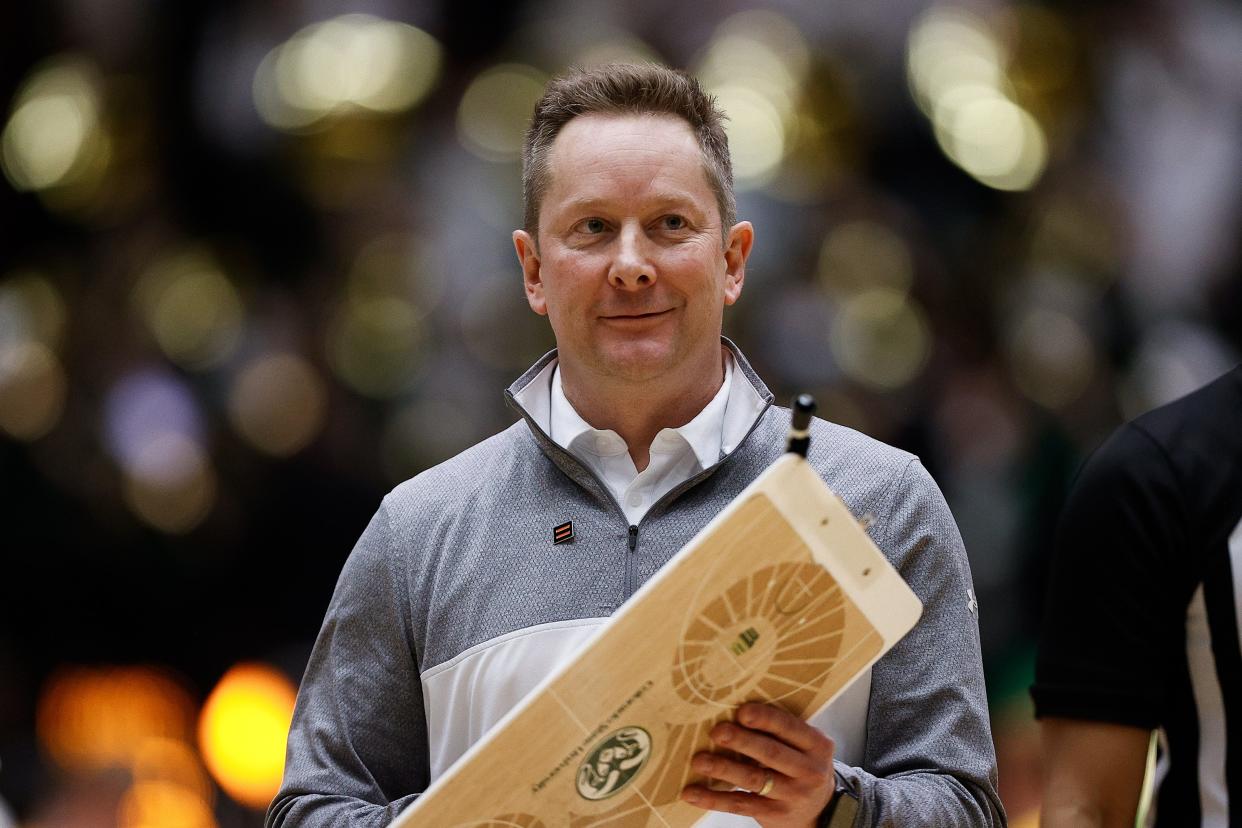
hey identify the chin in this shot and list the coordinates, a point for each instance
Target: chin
(637, 361)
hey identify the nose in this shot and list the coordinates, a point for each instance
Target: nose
(632, 267)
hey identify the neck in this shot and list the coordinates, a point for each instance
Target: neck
(638, 410)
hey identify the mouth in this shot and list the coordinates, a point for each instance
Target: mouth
(635, 316)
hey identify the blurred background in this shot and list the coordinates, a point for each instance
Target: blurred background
(255, 270)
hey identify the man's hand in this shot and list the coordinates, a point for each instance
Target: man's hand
(792, 769)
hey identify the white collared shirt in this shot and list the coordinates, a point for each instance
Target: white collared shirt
(676, 454)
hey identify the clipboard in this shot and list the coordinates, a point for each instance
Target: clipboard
(782, 598)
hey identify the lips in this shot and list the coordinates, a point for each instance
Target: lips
(648, 315)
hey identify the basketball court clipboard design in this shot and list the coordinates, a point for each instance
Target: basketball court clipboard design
(782, 598)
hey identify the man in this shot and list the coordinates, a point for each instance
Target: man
(638, 429)
(1142, 625)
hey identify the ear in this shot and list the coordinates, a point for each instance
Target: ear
(737, 251)
(528, 258)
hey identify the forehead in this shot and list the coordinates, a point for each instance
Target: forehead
(618, 156)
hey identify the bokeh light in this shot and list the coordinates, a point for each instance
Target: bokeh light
(174, 762)
(1051, 355)
(163, 805)
(375, 344)
(857, 255)
(495, 110)
(880, 338)
(950, 48)
(989, 136)
(32, 390)
(145, 405)
(243, 729)
(170, 788)
(755, 65)
(53, 137)
(352, 63)
(756, 129)
(277, 403)
(957, 72)
(153, 428)
(90, 719)
(394, 264)
(171, 485)
(191, 308)
(31, 308)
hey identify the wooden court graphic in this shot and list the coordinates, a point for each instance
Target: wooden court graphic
(782, 599)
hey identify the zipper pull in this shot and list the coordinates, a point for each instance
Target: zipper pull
(633, 537)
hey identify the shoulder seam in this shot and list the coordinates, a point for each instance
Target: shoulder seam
(890, 492)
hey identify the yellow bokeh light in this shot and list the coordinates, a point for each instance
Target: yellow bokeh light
(495, 110)
(755, 66)
(243, 729)
(995, 140)
(375, 344)
(951, 47)
(857, 255)
(762, 49)
(171, 485)
(880, 338)
(355, 62)
(192, 309)
(756, 132)
(32, 390)
(89, 719)
(957, 73)
(53, 132)
(277, 403)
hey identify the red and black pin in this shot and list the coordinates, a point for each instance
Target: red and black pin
(563, 533)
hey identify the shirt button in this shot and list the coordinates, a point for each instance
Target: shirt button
(635, 499)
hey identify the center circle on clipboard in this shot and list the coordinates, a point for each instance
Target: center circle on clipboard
(779, 629)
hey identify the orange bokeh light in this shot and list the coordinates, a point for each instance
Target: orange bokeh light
(95, 718)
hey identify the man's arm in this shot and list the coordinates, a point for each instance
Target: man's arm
(1114, 623)
(357, 751)
(1092, 773)
(929, 759)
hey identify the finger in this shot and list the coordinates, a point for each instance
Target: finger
(748, 777)
(731, 802)
(766, 750)
(785, 726)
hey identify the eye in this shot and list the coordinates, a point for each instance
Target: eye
(592, 226)
(673, 222)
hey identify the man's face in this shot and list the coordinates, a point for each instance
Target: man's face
(630, 267)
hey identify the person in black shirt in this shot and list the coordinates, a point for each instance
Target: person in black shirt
(1142, 624)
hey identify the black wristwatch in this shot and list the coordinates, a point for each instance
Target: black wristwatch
(842, 809)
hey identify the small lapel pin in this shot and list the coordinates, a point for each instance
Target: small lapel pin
(563, 533)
